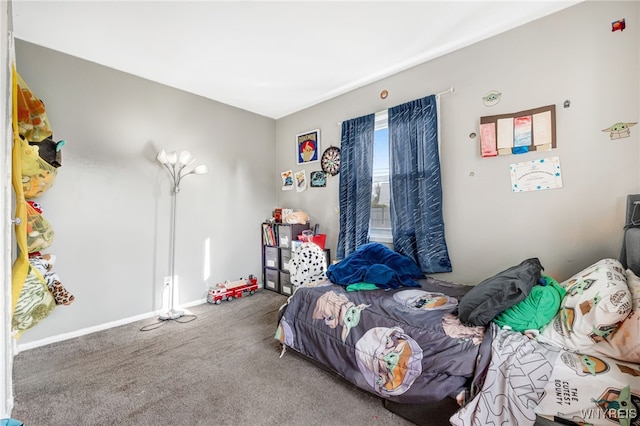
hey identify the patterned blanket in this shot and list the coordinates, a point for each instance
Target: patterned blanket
(513, 383)
(404, 344)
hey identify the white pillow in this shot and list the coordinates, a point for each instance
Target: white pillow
(624, 343)
(598, 300)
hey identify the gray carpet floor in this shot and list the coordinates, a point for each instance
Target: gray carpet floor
(221, 368)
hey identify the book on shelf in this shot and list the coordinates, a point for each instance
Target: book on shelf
(269, 237)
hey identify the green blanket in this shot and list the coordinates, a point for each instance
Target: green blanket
(537, 310)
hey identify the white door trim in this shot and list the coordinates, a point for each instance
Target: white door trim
(7, 58)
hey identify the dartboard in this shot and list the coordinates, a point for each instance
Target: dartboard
(331, 160)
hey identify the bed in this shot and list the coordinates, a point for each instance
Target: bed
(500, 352)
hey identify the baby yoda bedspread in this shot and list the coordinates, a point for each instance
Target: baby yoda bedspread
(406, 344)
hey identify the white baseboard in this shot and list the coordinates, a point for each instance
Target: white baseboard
(100, 327)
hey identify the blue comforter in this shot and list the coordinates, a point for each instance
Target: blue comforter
(377, 264)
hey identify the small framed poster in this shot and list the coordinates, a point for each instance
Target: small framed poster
(318, 179)
(307, 147)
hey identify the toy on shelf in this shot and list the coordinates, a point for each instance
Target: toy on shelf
(296, 217)
(230, 289)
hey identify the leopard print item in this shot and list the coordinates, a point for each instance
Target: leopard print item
(45, 267)
(60, 294)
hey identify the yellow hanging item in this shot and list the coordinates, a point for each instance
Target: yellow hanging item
(39, 231)
(32, 119)
(31, 300)
(35, 303)
(37, 174)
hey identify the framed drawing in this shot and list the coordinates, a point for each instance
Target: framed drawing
(301, 181)
(287, 180)
(318, 179)
(307, 147)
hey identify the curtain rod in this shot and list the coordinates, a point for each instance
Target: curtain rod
(444, 92)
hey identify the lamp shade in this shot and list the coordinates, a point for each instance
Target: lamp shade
(162, 157)
(185, 158)
(201, 169)
(172, 157)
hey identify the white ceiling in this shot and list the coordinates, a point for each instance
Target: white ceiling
(272, 58)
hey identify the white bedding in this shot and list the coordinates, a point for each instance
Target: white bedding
(515, 379)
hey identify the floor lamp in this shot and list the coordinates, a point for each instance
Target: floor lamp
(178, 168)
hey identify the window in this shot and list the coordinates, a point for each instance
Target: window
(380, 221)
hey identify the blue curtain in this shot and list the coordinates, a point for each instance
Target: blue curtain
(356, 171)
(417, 225)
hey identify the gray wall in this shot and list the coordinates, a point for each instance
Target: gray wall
(110, 205)
(571, 55)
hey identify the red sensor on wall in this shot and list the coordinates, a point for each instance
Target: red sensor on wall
(618, 25)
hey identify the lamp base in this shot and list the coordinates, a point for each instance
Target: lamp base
(171, 315)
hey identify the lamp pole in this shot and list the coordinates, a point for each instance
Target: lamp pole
(173, 313)
(177, 166)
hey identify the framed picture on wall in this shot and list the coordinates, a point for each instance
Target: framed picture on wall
(318, 179)
(308, 146)
(519, 132)
(535, 175)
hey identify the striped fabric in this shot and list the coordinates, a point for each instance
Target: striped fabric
(417, 224)
(356, 171)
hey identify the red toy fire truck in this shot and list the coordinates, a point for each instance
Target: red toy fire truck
(230, 289)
